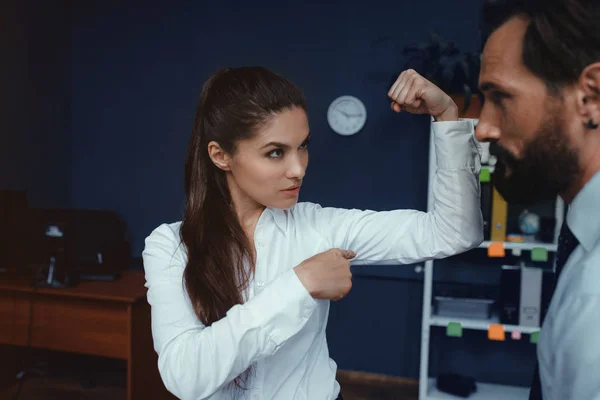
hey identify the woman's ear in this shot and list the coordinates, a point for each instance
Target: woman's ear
(218, 156)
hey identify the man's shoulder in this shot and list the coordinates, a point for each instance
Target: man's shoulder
(589, 275)
(578, 284)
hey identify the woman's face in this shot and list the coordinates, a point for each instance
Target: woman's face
(268, 168)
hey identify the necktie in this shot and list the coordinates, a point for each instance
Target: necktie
(567, 242)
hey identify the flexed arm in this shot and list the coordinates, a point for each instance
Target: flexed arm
(455, 223)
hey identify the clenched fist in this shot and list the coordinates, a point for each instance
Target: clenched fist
(327, 275)
(415, 94)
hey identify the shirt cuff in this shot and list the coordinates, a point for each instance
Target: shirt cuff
(284, 307)
(456, 146)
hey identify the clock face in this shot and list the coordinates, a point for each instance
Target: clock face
(346, 115)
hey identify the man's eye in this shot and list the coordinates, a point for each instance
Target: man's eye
(498, 97)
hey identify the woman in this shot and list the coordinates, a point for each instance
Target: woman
(240, 288)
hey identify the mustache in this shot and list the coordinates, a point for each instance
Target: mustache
(503, 155)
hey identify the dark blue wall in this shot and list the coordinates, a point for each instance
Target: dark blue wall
(136, 76)
(35, 116)
(137, 73)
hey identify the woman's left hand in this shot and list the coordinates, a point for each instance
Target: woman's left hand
(415, 94)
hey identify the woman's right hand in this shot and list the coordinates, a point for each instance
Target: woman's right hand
(327, 275)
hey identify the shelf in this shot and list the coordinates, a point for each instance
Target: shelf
(522, 246)
(479, 324)
(541, 255)
(485, 391)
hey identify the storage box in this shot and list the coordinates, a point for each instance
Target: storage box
(455, 307)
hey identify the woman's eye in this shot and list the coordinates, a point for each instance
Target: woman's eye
(277, 153)
(305, 144)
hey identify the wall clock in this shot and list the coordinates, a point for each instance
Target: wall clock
(346, 115)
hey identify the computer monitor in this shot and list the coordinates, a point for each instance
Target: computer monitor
(82, 243)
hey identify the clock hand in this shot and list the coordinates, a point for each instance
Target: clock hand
(343, 113)
(354, 115)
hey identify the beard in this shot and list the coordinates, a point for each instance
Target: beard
(549, 166)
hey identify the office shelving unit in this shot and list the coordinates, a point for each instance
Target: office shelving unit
(485, 391)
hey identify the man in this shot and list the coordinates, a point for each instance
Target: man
(540, 74)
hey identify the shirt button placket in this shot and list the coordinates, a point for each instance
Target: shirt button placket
(260, 244)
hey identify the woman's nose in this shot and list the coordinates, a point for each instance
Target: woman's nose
(297, 169)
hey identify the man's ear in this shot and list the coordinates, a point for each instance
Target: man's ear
(589, 97)
(218, 156)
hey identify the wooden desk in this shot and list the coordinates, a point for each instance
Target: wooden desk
(109, 319)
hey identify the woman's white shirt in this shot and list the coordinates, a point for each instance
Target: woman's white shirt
(280, 328)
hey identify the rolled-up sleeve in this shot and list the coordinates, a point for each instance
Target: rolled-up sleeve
(453, 225)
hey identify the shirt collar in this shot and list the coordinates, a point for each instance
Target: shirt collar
(280, 217)
(583, 216)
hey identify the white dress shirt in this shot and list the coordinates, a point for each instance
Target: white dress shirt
(569, 345)
(280, 328)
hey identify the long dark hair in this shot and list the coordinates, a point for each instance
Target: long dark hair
(234, 104)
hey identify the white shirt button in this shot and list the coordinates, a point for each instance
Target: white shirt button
(260, 283)
(260, 243)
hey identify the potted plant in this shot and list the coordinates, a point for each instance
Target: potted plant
(454, 72)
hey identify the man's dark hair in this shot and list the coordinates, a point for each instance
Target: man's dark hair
(563, 36)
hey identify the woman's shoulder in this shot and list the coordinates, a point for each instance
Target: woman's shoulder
(304, 206)
(165, 241)
(310, 209)
(166, 232)
(304, 211)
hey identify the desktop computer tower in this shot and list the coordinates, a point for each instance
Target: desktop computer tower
(525, 294)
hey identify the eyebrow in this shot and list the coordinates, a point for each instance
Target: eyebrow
(279, 144)
(487, 86)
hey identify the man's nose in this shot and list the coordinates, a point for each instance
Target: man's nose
(486, 132)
